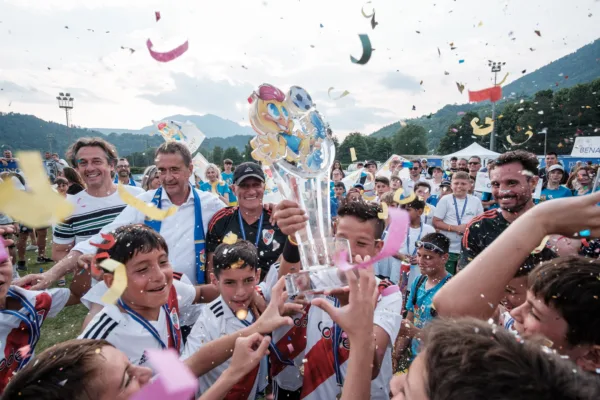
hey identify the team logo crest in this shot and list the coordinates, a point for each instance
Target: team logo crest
(175, 318)
(268, 235)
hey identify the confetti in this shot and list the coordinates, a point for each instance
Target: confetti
(460, 113)
(173, 379)
(105, 246)
(524, 71)
(538, 33)
(439, 52)
(461, 61)
(238, 264)
(585, 233)
(460, 87)
(3, 252)
(541, 246)
(157, 15)
(344, 94)
(169, 55)
(40, 206)
(230, 238)
(509, 139)
(290, 348)
(362, 10)
(482, 131)
(25, 351)
(503, 80)
(480, 24)
(147, 209)
(397, 229)
(353, 154)
(119, 283)
(367, 50)
(446, 73)
(399, 197)
(128, 48)
(373, 22)
(384, 211)
(241, 314)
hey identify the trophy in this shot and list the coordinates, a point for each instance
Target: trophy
(295, 142)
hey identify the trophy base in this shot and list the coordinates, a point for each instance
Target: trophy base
(315, 280)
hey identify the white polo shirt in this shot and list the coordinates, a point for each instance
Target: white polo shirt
(446, 211)
(178, 229)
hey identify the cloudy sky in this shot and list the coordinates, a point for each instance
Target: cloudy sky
(235, 45)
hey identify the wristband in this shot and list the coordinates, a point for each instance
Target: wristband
(290, 252)
(292, 240)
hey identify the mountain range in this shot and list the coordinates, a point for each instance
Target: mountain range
(578, 67)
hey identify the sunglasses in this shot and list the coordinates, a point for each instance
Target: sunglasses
(474, 163)
(415, 168)
(429, 246)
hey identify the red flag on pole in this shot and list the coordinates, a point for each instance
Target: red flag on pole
(493, 94)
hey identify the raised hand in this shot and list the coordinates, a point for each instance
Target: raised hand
(247, 354)
(289, 217)
(272, 318)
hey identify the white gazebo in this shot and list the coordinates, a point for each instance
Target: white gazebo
(473, 150)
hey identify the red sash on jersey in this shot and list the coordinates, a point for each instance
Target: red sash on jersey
(173, 316)
(19, 337)
(242, 389)
(319, 365)
(296, 336)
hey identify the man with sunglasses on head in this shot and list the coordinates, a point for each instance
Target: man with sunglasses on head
(474, 167)
(432, 255)
(414, 177)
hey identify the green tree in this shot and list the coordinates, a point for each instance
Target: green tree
(411, 139)
(460, 135)
(354, 140)
(248, 153)
(383, 149)
(217, 155)
(233, 154)
(207, 154)
(371, 144)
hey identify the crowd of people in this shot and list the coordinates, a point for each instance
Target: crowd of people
(492, 295)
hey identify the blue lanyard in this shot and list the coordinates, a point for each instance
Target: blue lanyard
(243, 231)
(418, 238)
(272, 347)
(199, 243)
(31, 320)
(131, 181)
(337, 335)
(459, 219)
(148, 326)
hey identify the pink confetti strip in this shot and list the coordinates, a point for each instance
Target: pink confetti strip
(157, 15)
(169, 55)
(290, 348)
(399, 221)
(390, 290)
(3, 253)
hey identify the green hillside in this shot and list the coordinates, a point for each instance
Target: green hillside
(580, 67)
(27, 132)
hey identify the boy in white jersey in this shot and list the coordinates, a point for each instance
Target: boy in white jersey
(22, 313)
(147, 314)
(326, 363)
(236, 276)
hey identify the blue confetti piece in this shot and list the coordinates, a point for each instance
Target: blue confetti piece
(321, 25)
(585, 233)
(461, 61)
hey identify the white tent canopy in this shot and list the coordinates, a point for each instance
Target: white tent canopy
(473, 150)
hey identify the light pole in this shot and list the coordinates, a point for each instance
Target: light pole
(496, 67)
(66, 101)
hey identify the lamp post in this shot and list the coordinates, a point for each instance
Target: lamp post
(496, 67)
(66, 101)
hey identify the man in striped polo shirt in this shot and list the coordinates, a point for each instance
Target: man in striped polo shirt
(95, 207)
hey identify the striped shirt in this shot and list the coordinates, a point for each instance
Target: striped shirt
(91, 214)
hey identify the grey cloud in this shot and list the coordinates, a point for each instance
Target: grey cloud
(351, 116)
(14, 91)
(400, 81)
(203, 95)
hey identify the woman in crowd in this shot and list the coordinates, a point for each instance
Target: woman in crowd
(150, 180)
(62, 185)
(76, 184)
(214, 184)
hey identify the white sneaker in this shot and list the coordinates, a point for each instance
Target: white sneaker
(31, 247)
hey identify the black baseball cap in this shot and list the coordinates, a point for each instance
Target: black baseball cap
(370, 162)
(247, 170)
(445, 183)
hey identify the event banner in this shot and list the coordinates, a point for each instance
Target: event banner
(483, 184)
(586, 146)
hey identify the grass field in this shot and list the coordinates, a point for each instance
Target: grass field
(67, 324)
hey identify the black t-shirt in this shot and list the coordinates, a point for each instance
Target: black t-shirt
(483, 230)
(74, 189)
(270, 241)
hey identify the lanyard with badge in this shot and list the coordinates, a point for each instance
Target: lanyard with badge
(272, 347)
(30, 320)
(243, 231)
(148, 326)
(418, 238)
(336, 342)
(459, 219)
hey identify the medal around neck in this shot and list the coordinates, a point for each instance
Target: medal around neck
(297, 145)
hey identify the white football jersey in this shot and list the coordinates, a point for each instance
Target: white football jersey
(126, 334)
(217, 320)
(319, 373)
(14, 333)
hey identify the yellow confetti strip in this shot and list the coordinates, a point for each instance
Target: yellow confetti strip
(398, 197)
(119, 283)
(541, 246)
(427, 209)
(238, 264)
(38, 207)
(509, 139)
(241, 314)
(480, 130)
(503, 80)
(384, 211)
(147, 209)
(353, 154)
(230, 238)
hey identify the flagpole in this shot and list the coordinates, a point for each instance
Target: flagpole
(496, 67)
